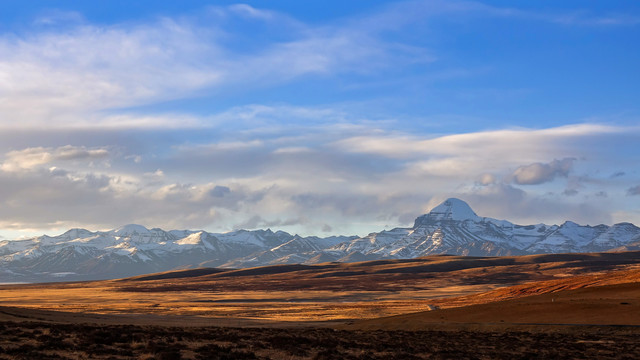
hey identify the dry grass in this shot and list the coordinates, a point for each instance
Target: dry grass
(339, 311)
(610, 305)
(81, 341)
(325, 292)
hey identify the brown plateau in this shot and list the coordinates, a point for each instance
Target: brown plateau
(586, 298)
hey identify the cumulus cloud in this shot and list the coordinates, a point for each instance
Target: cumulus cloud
(468, 156)
(504, 201)
(294, 180)
(538, 173)
(104, 200)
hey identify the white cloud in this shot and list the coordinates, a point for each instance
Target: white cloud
(69, 76)
(58, 17)
(504, 201)
(251, 12)
(487, 179)
(73, 74)
(352, 178)
(538, 173)
(582, 18)
(30, 158)
(89, 68)
(292, 150)
(469, 155)
(156, 174)
(399, 145)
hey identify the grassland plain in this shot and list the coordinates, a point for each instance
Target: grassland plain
(545, 306)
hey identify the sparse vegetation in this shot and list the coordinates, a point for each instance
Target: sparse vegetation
(322, 292)
(264, 315)
(33, 340)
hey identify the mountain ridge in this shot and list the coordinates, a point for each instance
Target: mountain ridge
(452, 227)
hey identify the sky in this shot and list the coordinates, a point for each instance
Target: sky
(317, 118)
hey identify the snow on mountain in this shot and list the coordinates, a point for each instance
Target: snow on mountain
(451, 209)
(129, 230)
(450, 228)
(191, 239)
(615, 236)
(76, 234)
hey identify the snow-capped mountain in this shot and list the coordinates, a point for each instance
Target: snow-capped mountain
(450, 228)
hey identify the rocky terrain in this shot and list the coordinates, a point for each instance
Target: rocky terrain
(450, 228)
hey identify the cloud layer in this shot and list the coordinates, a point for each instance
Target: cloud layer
(71, 75)
(247, 117)
(347, 181)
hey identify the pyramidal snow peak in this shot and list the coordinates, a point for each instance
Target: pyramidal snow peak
(449, 228)
(451, 209)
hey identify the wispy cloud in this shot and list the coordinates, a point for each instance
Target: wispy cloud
(33, 157)
(84, 132)
(584, 18)
(75, 72)
(479, 149)
(90, 68)
(70, 72)
(404, 12)
(55, 17)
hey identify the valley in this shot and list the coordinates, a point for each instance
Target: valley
(268, 295)
(440, 306)
(327, 292)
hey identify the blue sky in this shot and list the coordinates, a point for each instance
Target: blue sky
(322, 118)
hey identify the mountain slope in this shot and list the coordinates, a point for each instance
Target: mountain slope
(450, 228)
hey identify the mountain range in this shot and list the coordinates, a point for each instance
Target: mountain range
(450, 228)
